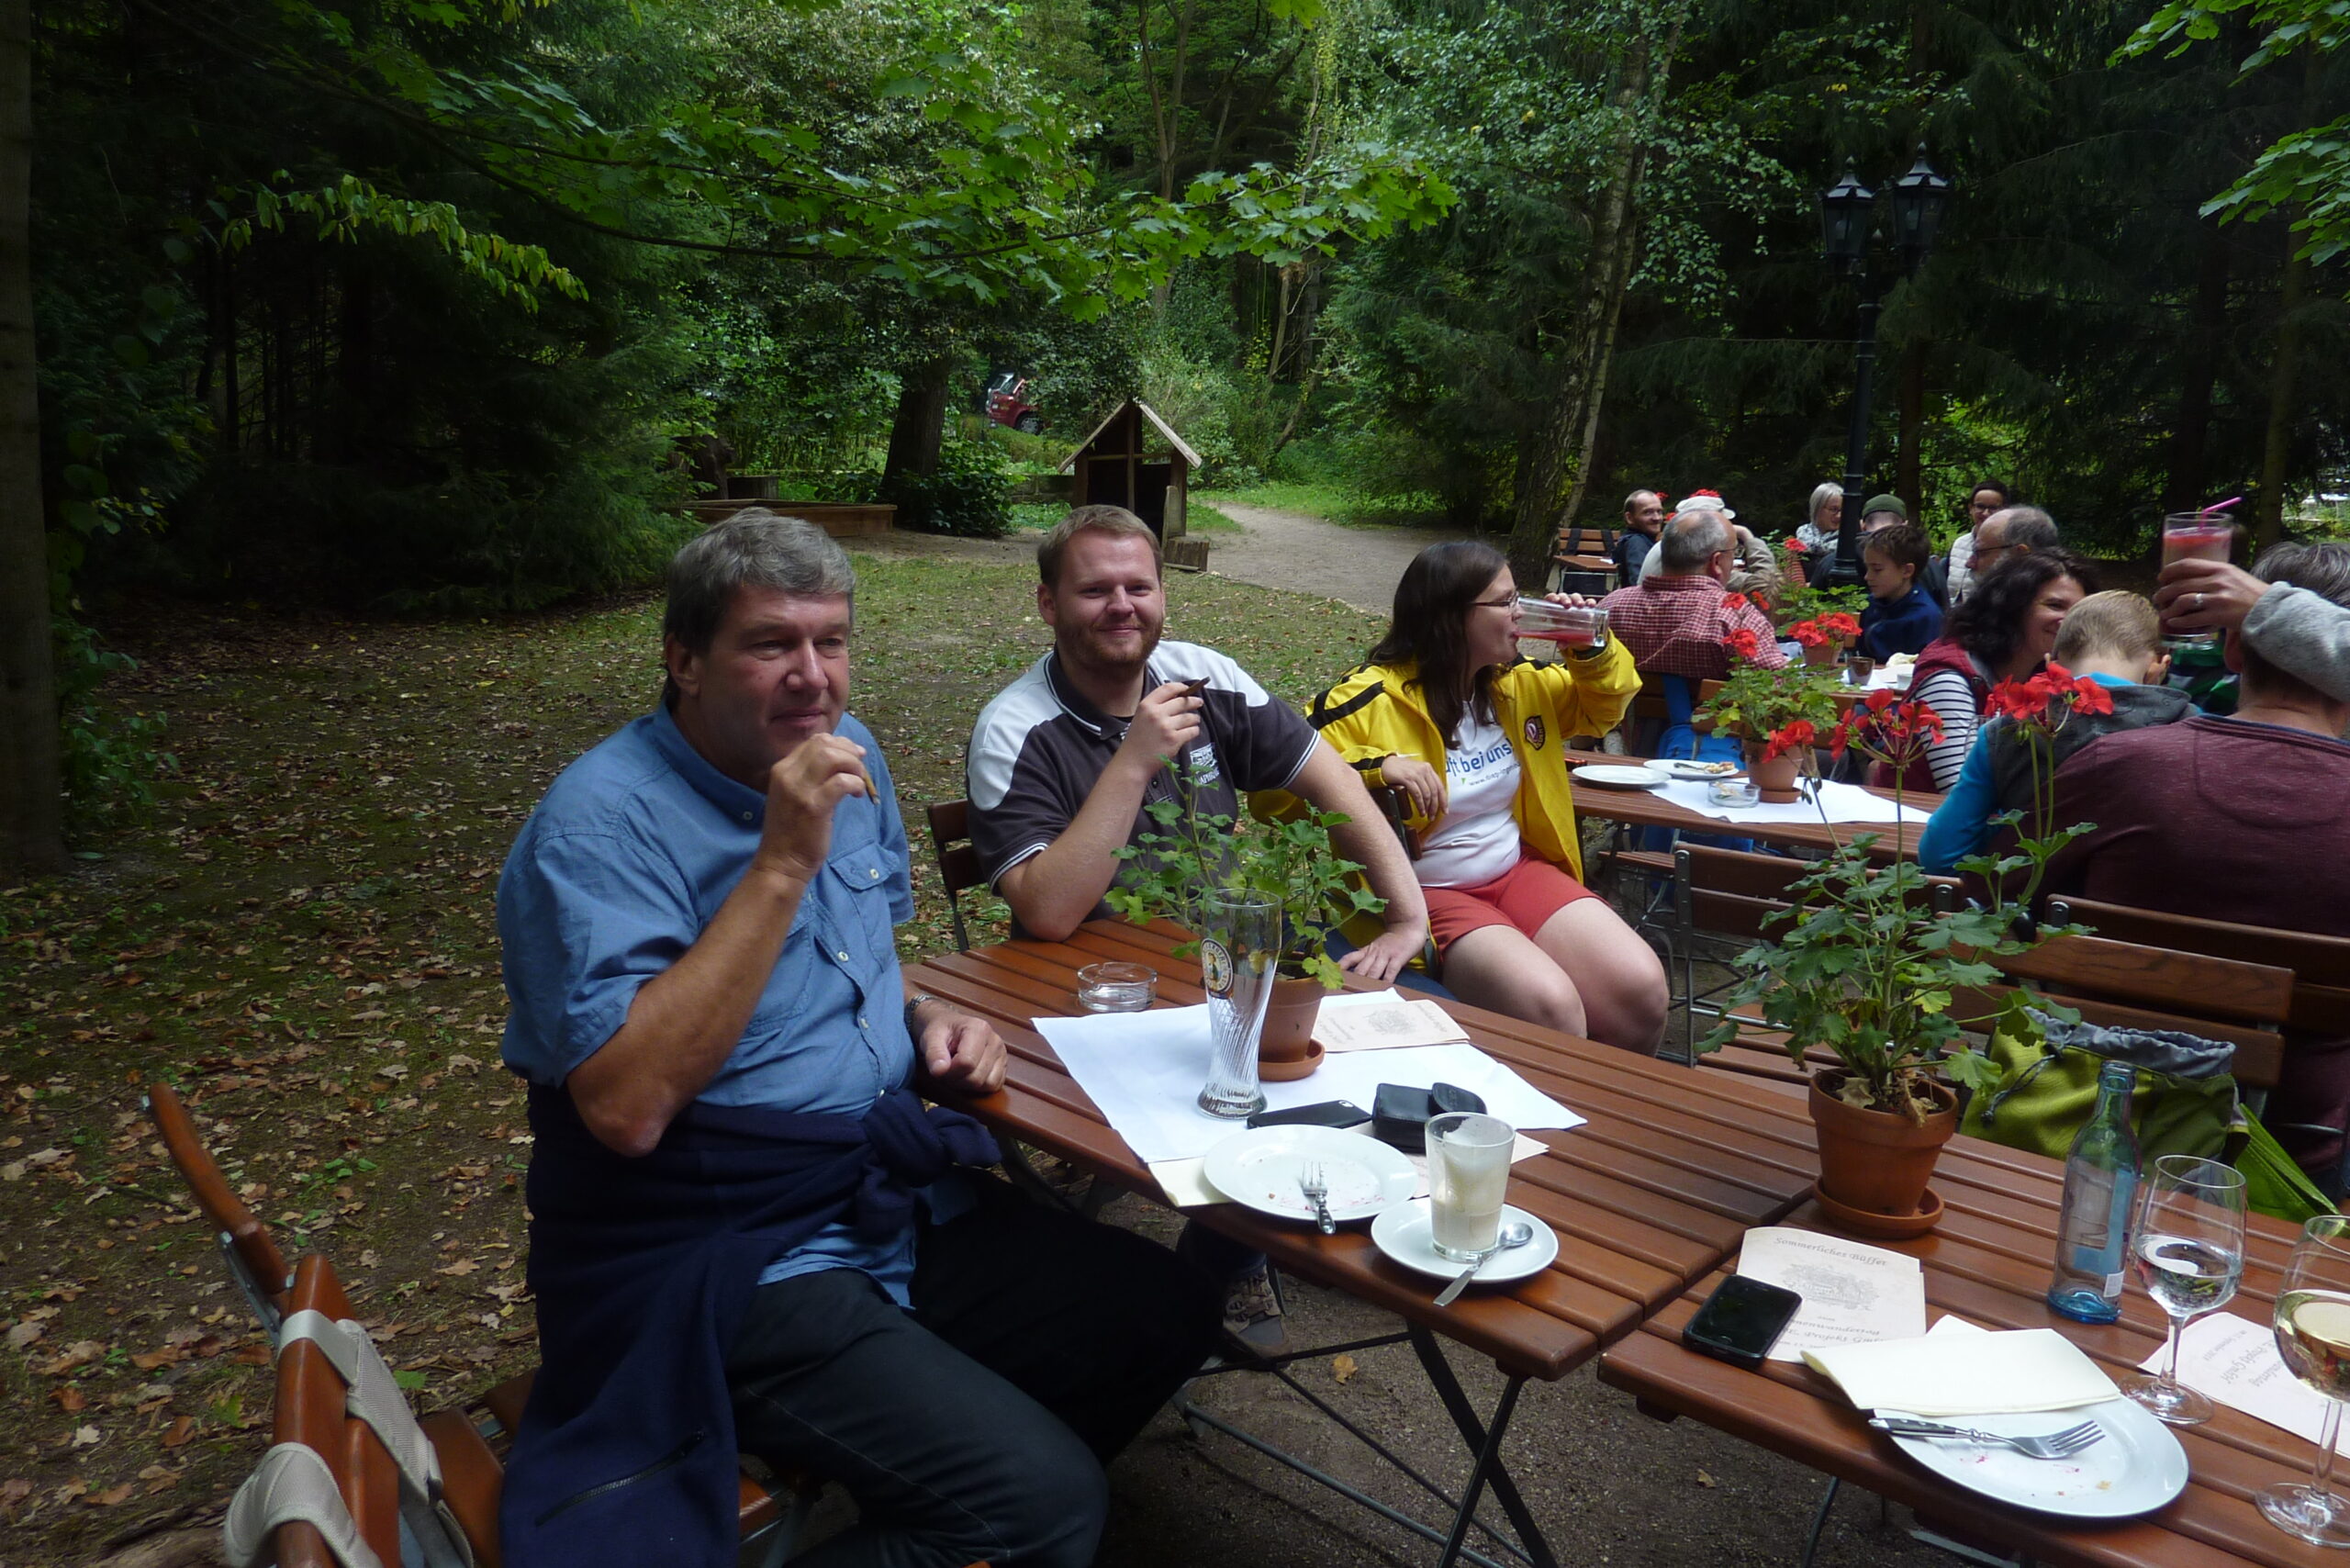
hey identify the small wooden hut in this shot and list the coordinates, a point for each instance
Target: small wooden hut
(1135, 460)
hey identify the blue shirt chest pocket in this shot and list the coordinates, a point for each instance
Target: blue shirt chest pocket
(853, 908)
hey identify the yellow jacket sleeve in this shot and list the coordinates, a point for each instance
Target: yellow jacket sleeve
(1588, 696)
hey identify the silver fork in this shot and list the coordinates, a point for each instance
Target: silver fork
(2052, 1445)
(1317, 1188)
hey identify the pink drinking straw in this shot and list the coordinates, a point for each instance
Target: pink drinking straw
(2221, 506)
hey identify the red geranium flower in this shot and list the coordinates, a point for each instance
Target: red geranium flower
(1810, 633)
(1841, 625)
(2088, 697)
(1800, 733)
(1734, 601)
(1794, 546)
(1744, 642)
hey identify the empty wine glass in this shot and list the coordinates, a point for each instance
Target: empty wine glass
(2189, 1248)
(2313, 1336)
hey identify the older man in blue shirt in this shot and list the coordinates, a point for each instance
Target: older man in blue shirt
(744, 1232)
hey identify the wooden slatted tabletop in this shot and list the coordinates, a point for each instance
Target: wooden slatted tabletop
(1988, 1262)
(1647, 808)
(1651, 1193)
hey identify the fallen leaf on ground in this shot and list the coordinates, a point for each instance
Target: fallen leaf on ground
(1342, 1367)
(462, 1266)
(182, 1428)
(1704, 1479)
(111, 1495)
(85, 1437)
(69, 1398)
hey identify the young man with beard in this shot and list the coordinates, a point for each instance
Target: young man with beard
(1065, 761)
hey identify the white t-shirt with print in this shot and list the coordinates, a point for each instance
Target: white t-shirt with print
(1477, 839)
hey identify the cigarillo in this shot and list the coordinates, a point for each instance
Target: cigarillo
(870, 791)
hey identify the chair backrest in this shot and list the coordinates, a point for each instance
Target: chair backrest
(2321, 965)
(312, 1409)
(1576, 539)
(1730, 893)
(2122, 984)
(2131, 985)
(958, 859)
(254, 1262)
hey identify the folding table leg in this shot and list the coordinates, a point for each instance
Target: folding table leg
(1484, 1439)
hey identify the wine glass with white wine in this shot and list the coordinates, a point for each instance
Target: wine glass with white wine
(2189, 1243)
(2313, 1335)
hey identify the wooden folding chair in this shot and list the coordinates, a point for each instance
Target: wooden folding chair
(776, 1513)
(958, 860)
(340, 1418)
(257, 1267)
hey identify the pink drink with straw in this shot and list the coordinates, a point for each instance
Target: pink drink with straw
(2196, 536)
(1570, 626)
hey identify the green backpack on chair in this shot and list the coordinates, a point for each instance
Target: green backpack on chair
(2184, 1103)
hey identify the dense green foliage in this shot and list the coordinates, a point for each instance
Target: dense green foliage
(409, 303)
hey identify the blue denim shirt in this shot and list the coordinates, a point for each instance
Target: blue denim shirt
(627, 860)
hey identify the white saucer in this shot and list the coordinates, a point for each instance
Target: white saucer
(2136, 1469)
(1615, 776)
(1258, 1169)
(1683, 768)
(1402, 1232)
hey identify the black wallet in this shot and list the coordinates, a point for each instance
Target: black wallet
(1399, 1113)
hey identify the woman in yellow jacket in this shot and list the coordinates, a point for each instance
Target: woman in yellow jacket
(1472, 736)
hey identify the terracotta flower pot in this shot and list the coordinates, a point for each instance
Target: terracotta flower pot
(1877, 1162)
(1777, 777)
(1822, 653)
(1288, 1037)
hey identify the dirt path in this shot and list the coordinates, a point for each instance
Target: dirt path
(1303, 553)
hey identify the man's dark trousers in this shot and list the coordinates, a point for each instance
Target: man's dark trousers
(974, 1429)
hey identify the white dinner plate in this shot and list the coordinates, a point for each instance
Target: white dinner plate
(1258, 1169)
(2136, 1469)
(1684, 767)
(1402, 1232)
(1615, 776)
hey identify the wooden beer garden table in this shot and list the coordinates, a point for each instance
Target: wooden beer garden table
(1647, 1197)
(1988, 1262)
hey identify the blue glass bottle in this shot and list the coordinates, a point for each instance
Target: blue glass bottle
(2100, 1192)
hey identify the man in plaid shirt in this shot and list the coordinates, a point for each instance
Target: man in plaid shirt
(1682, 619)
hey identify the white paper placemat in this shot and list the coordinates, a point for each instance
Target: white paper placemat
(1145, 1069)
(1838, 803)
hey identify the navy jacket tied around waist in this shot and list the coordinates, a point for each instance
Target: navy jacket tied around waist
(642, 1269)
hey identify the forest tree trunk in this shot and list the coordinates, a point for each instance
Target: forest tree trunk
(2185, 480)
(32, 804)
(915, 435)
(1554, 461)
(2276, 448)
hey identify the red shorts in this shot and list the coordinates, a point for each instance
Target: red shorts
(1524, 896)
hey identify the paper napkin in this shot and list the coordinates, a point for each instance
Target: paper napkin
(1960, 1370)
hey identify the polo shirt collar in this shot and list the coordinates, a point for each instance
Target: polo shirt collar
(737, 800)
(1080, 707)
(1660, 583)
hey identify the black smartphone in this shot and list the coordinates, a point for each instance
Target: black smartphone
(1742, 1320)
(1328, 1113)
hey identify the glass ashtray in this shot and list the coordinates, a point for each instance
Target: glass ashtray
(1739, 791)
(1116, 988)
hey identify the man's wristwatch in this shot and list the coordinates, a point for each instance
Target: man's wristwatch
(914, 1006)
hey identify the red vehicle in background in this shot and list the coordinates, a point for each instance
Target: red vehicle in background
(1008, 404)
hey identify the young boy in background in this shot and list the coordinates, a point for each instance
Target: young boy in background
(1901, 617)
(2115, 639)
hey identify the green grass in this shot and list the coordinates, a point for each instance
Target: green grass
(1334, 503)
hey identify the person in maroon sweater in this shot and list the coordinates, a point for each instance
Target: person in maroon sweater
(2243, 819)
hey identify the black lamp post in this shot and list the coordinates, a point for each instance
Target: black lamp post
(1846, 212)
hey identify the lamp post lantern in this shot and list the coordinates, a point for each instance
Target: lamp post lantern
(1847, 210)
